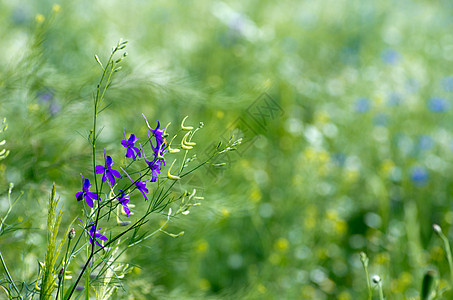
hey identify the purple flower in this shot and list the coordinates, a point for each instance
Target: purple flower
(131, 150)
(124, 200)
(419, 176)
(437, 105)
(85, 194)
(154, 165)
(390, 56)
(447, 83)
(108, 172)
(362, 105)
(140, 185)
(94, 235)
(159, 135)
(425, 142)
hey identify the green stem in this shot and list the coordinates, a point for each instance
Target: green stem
(381, 291)
(448, 253)
(10, 279)
(97, 102)
(65, 264)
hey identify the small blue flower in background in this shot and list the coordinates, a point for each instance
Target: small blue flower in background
(362, 105)
(131, 150)
(425, 142)
(390, 56)
(85, 194)
(380, 119)
(412, 85)
(124, 200)
(339, 159)
(419, 176)
(108, 172)
(447, 83)
(94, 235)
(437, 105)
(394, 99)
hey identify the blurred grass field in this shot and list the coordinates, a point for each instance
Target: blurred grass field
(357, 157)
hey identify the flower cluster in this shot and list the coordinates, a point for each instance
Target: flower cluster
(158, 145)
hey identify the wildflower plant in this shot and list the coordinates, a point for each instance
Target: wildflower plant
(115, 186)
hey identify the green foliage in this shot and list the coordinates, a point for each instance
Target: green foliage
(330, 177)
(50, 272)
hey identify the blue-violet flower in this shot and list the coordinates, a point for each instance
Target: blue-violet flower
(95, 235)
(131, 150)
(108, 172)
(85, 194)
(124, 200)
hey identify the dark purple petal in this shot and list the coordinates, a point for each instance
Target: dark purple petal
(136, 151)
(132, 139)
(79, 196)
(86, 184)
(108, 162)
(110, 177)
(124, 143)
(130, 153)
(92, 195)
(100, 169)
(126, 210)
(89, 201)
(101, 237)
(115, 173)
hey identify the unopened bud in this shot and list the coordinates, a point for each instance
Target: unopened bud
(60, 274)
(71, 234)
(376, 279)
(437, 229)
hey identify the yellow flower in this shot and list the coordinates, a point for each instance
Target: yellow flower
(281, 244)
(56, 8)
(219, 114)
(40, 18)
(255, 195)
(307, 292)
(322, 117)
(341, 227)
(225, 212)
(261, 288)
(204, 284)
(352, 176)
(202, 246)
(344, 296)
(382, 258)
(387, 166)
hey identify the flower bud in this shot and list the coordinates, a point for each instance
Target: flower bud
(185, 128)
(71, 234)
(60, 274)
(376, 279)
(437, 229)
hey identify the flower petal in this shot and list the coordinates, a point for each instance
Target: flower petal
(86, 184)
(115, 173)
(126, 210)
(79, 196)
(109, 161)
(101, 237)
(100, 169)
(89, 201)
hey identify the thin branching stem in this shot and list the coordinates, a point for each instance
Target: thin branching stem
(8, 275)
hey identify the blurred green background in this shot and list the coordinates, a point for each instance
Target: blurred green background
(345, 109)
